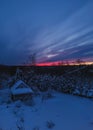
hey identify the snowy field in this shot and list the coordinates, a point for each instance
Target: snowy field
(62, 112)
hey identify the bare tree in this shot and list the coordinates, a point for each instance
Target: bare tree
(32, 59)
(79, 61)
(60, 63)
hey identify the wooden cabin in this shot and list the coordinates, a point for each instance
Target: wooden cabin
(21, 91)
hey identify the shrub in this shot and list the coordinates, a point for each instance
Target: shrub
(50, 124)
(36, 128)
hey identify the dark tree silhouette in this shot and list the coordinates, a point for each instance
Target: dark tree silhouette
(32, 59)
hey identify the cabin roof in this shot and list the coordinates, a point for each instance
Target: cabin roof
(20, 88)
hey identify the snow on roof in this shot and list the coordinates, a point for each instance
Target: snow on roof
(20, 88)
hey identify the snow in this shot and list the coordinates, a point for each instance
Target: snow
(5, 96)
(67, 112)
(90, 93)
(20, 88)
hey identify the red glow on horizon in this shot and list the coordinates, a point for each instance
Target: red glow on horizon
(48, 64)
(59, 63)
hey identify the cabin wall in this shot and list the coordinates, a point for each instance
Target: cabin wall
(22, 97)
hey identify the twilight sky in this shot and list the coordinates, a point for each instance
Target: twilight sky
(53, 29)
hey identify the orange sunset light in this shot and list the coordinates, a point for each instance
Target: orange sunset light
(59, 63)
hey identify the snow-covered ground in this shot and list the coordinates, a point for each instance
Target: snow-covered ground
(62, 112)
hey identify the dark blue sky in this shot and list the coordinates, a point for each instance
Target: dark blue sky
(53, 29)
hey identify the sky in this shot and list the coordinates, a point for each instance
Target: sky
(53, 30)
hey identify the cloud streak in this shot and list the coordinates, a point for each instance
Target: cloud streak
(54, 31)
